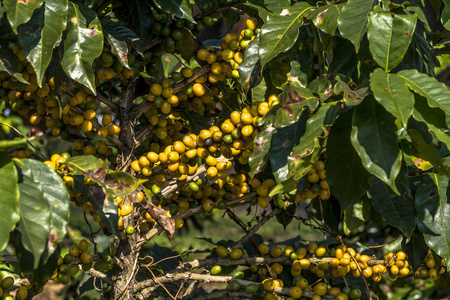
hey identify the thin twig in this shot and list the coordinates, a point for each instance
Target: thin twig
(255, 228)
(108, 102)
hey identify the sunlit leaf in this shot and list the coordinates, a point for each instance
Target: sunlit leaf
(279, 32)
(389, 37)
(83, 43)
(9, 204)
(353, 20)
(41, 33)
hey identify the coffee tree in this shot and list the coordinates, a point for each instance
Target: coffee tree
(326, 115)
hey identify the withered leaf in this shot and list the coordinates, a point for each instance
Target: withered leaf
(162, 219)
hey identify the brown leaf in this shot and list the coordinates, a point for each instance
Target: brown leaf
(97, 174)
(99, 195)
(162, 219)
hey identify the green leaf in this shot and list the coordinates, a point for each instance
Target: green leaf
(375, 140)
(388, 89)
(434, 118)
(356, 215)
(309, 142)
(416, 249)
(83, 44)
(4, 144)
(35, 210)
(433, 213)
(19, 12)
(56, 194)
(259, 92)
(259, 158)
(180, 8)
(142, 16)
(276, 6)
(420, 55)
(351, 97)
(397, 211)
(353, 19)
(445, 15)
(187, 46)
(9, 204)
(39, 36)
(88, 164)
(250, 68)
(389, 37)
(10, 63)
(279, 32)
(437, 94)
(347, 178)
(326, 17)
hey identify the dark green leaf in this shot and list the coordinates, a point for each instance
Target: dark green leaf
(39, 36)
(347, 178)
(437, 94)
(345, 60)
(276, 6)
(356, 215)
(375, 140)
(187, 46)
(258, 159)
(141, 13)
(434, 118)
(9, 204)
(282, 143)
(19, 12)
(298, 161)
(353, 19)
(416, 249)
(83, 44)
(388, 89)
(35, 210)
(279, 32)
(326, 17)
(103, 204)
(285, 216)
(389, 37)
(179, 8)
(433, 213)
(420, 55)
(250, 68)
(422, 141)
(397, 211)
(445, 15)
(196, 121)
